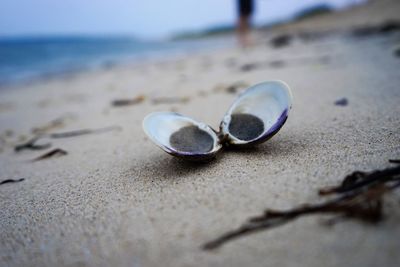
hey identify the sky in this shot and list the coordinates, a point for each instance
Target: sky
(142, 18)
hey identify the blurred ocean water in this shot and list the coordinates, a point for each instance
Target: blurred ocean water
(24, 59)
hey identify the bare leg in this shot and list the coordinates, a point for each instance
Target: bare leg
(243, 29)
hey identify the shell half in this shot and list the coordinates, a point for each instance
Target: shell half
(257, 114)
(182, 136)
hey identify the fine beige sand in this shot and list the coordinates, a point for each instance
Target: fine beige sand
(117, 200)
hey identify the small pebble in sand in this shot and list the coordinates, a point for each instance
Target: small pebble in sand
(128, 101)
(191, 139)
(249, 67)
(342, 102)
(281, 40)
(246, 126)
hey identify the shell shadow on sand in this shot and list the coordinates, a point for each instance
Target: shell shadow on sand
(165, 168)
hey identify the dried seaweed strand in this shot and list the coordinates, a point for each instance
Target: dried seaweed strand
(128, 101)
(11, 181)
(359, 179)
(31, 144)
(361, 198)
(52, 153)
(83, 132)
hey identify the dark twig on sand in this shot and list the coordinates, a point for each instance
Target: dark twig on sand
(358, 180)
(360, 196)
(128, 101)
(53, 153)
(11, 181)
(31, 144)
(84, 132)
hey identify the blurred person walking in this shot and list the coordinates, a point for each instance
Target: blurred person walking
(245, 11)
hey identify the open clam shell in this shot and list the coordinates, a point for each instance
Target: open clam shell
(257, 114)
(182, 136)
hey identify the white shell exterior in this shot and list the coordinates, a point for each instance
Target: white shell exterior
(270, 101)
(159, 126)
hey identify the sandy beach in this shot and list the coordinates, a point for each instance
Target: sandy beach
(115, 199)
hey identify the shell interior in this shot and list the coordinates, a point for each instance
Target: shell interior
(257, 114)
(180, 135)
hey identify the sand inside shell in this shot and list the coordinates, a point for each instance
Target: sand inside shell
(245, 126)
(191, 139)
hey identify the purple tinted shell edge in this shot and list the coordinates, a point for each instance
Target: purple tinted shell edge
(192, 156)
(278, 124)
